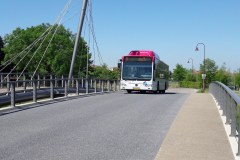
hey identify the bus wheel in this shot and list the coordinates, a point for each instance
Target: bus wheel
(128, 91)
(157, 91)
(162, 91)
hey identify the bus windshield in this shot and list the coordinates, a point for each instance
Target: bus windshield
(137, 70)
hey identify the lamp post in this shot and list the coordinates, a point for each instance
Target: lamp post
(204, 71)
(192, 63)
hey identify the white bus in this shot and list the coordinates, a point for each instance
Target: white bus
(142, 70)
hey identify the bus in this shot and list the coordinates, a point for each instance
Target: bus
(142, 70)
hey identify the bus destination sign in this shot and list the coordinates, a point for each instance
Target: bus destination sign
(138, 59)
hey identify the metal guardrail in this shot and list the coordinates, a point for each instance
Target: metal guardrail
(95, 85)
(229, 103)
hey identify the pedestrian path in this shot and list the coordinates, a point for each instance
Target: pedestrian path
(197, 133)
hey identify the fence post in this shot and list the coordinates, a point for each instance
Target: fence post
(82, 83)
(8, 84)
(233, 118)
(13, 93)
(95, 86)
(56, 82)
(17, 80)
(102, 86)
(38, 83)
(66, 88)
(115, 85)
(1, 81)
(24, 83)
(86, 85)
(51, 88)
(44, 81)
(222, 102)
(72, 81)
(108, 85)
(31, 82)
(238, 107)
(228, 109)
(34, 91)
(77, 87)
(62, 81)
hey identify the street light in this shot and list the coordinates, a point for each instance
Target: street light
(204, 71)
(192, 63)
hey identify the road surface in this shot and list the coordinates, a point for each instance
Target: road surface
(117, 126)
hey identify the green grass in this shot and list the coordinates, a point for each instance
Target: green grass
(174, 84)
(238, 93)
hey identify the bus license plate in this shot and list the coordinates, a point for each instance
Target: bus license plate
(136, 88)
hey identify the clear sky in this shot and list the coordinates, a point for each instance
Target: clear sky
(171, 28)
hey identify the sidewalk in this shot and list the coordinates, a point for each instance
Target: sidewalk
(197, 133)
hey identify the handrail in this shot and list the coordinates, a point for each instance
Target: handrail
(95, 85)
(229, 103)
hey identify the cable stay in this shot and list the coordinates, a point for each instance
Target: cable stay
(20, 54)
(50, 42)
(43, 36)
(53, 30)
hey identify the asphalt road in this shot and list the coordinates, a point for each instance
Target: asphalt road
(115, 126)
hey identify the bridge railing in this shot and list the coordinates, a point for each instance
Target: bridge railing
(229, 103)
(52, 87)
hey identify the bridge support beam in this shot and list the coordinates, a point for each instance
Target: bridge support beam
(84, 6)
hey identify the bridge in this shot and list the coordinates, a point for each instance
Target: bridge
(84, 118)
(111, 124)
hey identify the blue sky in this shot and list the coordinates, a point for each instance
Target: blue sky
(171, 28)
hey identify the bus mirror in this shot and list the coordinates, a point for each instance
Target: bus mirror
(119, 65)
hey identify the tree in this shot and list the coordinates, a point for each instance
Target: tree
(115, 73)
(179, 73)
(56, 56)
(237, 79)
(103, 72)
(190, 76)
(211, 69)
(223, 75)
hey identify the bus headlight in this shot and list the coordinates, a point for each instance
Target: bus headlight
(123, 84)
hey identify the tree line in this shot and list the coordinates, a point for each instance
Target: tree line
(48, 51)
(193, 79)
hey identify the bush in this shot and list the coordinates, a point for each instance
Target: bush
(174, 84)
(189, 84)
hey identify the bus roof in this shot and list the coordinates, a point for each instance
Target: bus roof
(144, 53)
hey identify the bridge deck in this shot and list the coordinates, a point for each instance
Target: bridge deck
(196, 133)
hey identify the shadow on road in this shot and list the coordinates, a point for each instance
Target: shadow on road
(45, 103)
